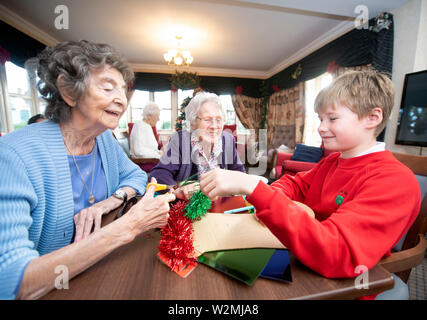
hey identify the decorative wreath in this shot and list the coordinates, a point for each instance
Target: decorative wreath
(185, 80)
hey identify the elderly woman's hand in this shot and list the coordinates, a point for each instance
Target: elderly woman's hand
(88, 218)
(149, 212)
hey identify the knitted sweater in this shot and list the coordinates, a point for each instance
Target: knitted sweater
(363, 206)
(36, 200)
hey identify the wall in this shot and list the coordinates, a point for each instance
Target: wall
(410, 55)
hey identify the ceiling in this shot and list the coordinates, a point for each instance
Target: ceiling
(245, 38)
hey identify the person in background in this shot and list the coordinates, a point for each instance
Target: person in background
(364, 199)
(143, 143)
(59, 177)
(202, 148)
(37, 118)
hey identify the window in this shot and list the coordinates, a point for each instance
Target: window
(230, 114)
(136, 106)
(164, 100)
(182, 94)
(312, 122)
(20, 101)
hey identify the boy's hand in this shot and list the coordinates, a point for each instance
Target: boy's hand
(220, 182)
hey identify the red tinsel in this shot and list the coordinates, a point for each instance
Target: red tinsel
(176, 243)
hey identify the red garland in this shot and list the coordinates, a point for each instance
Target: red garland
(176, 243)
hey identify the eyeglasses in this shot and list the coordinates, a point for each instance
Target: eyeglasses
(210, 121)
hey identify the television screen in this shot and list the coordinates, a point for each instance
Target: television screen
(412, 122)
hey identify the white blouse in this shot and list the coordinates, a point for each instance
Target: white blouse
(143, 143)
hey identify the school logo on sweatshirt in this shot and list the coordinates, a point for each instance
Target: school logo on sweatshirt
(340, 198)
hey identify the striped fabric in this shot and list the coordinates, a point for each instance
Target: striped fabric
(36, 201)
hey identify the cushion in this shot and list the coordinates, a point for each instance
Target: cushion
(283, 135)
(307, 153)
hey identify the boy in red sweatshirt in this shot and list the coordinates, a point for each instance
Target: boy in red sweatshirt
(363, 198)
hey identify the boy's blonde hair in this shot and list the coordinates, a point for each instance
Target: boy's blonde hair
(360, 91)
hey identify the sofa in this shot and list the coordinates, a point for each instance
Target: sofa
(303, 159)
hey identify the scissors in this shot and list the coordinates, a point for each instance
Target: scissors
(159, 186)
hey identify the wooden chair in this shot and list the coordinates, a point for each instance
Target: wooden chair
(414, 245)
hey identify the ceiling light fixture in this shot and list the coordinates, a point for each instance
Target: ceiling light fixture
(178, 57)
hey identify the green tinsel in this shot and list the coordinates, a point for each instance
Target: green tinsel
(198, 206)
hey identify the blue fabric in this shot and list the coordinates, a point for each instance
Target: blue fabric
(80, 194)
(36, 198)
(307, 153)
(400, 291)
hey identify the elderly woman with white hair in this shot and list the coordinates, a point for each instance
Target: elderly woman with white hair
(143, 143)
(204, 146)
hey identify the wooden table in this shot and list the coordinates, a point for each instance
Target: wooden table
(134, 272)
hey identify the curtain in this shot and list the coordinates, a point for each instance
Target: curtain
(355, 48)
(248, 110)
(285, 119)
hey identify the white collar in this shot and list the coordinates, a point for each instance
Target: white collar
(379, 146)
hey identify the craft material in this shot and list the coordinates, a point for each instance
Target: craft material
(159, 187)
(243, 209)
(198, 206)
(244, 264)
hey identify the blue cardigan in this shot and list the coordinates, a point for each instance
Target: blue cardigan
(36, 199)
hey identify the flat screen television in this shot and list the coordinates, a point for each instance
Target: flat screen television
(412, 121)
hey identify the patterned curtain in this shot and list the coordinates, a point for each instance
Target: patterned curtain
(248, 110)
(285, 119)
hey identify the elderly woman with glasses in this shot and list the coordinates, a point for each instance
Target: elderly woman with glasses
(204, 147)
